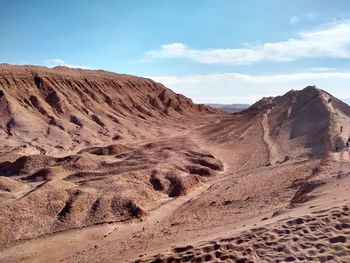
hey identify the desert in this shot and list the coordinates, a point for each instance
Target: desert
(102, 167)
(174, 131)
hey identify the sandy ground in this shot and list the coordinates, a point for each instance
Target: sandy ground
(233, 216)
(179, 183)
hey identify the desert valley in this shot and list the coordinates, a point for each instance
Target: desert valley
(104, 167)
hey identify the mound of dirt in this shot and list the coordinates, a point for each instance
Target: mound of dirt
(8, 184)
(113, 149)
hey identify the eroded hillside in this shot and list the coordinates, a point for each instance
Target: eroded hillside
(173, 180)
(81, 147)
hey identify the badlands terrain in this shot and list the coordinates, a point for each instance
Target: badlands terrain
(102, 167)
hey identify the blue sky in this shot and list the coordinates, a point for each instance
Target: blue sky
(212, 51)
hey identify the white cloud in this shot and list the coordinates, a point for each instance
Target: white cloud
(322, 69)
(331, 41)
(294, 20)
(244, 88)
(60, 62)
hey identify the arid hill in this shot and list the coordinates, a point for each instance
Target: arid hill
(61, 109)
(304, 124)
(119, 168)
(69, 152)
(308, 118)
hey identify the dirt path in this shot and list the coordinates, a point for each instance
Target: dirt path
(273, 155)
(340, 127)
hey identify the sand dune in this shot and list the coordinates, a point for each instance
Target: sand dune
(96, 166)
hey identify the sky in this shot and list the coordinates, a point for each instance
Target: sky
(220, 51)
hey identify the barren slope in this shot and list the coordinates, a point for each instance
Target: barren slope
(61, 109)
(174, 182)
(82, 147)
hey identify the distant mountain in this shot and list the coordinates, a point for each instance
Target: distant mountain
(230, 107)
(239, 107)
